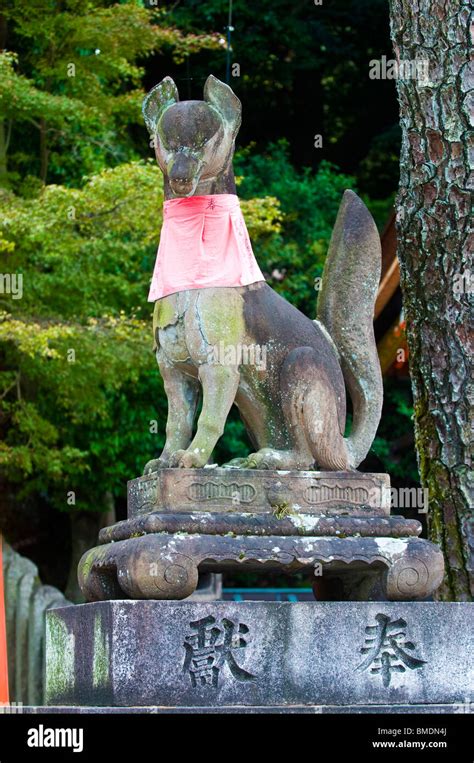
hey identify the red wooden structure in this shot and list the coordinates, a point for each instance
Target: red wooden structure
(3, 639)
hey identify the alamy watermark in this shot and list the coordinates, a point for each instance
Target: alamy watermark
(390, 68)
(239, 355)
(12, 283)
(464, 707)
(42, 736)
(404, 498)
(463, 283)
(11, 708)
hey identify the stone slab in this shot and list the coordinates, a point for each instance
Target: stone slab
(260, 654)
(260, 524)
(255, 490)
(167, 565)
(460, 708)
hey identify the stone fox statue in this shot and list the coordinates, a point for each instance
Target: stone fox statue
(294, 404)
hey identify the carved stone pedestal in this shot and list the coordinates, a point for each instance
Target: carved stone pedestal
(261, 655)
(335, 524)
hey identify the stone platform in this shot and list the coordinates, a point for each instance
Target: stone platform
(227, 490)
(453, 709)
(183, 522)
(173, 656)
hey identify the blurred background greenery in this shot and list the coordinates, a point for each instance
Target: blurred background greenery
(80, 202)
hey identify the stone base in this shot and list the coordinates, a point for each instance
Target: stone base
(455, 709)
(167, 566)
(258, 491)
(185, 522)
(177, 655)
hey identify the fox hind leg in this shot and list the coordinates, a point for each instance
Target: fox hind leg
(314, 407)
(313, 400)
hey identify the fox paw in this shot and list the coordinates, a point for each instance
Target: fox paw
(268, 458)
(188, 459)
(155, 465)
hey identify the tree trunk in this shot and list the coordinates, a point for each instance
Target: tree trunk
(433, 209)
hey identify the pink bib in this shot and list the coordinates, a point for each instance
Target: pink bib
(204, 242)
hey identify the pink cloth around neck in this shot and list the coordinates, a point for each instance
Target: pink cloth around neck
(204, 242)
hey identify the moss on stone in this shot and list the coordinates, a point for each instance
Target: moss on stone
(60, 649)
(212, 306)
(281, 510)
(165, 313)
(435, 476)
(100, 664)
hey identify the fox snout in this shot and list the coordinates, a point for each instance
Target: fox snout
(184, 172)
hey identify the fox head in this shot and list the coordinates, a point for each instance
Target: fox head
(194, 141)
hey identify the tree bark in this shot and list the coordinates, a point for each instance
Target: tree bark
(433, 212)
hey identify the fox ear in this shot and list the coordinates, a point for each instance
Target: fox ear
(158, 99)
(225, 101)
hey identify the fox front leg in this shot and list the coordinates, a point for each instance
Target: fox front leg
(214, 320)
(182, 392)
(219, 384)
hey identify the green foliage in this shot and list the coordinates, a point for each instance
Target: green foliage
(80, 392)
(80, 213)
(294, 257)
(19, 98)
(303, 70)
(87, 247)
(74, 76)
(379, 170)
